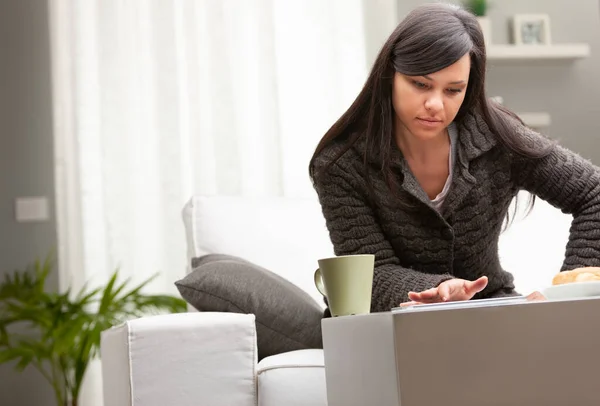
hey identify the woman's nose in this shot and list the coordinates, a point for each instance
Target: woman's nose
(434, 103)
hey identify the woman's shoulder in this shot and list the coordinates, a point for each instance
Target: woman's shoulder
(476, 135)
(344, 154)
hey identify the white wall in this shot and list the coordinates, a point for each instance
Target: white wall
(380, 19)
(26, 162)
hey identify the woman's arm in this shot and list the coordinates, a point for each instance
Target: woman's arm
(354, 229)
(567, 181)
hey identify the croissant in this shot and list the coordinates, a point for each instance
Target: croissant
(577, 275)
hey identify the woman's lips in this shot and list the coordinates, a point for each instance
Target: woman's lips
(429, 122)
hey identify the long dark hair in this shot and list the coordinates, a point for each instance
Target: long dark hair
(430, 38)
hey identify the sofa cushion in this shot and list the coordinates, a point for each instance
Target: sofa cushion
(287, 318)
(295, 378)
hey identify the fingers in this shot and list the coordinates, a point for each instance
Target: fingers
(450, 290)
(535, 296)
(445, 291)
(427, 296)
(472, 287)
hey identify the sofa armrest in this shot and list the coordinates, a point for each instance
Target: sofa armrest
(181, 359)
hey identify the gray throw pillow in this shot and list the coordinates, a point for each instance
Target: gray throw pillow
(287, 318)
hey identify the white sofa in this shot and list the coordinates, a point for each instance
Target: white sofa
(210, 358)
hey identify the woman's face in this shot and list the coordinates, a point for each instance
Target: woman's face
(426, 105)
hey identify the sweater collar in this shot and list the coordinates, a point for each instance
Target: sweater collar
(475, 137)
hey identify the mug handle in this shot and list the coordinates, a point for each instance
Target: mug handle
(319, 282)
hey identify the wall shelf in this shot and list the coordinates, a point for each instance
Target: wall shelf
(535, 120)
(557, 52)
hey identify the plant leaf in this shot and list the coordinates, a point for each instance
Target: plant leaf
(107, 295)
(64, 330)
(8, 354)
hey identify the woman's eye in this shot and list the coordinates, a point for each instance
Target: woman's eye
(419, 85)
(454, 91)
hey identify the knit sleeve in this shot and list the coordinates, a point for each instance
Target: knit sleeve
(354, 229)
(567, 181)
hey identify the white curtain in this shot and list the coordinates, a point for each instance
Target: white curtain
(158, 100)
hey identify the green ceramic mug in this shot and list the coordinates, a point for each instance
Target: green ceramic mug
(346, 281)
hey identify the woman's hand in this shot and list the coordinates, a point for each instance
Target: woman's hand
(448, 291)
(535, 297)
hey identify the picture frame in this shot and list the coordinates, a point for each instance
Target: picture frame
(531, 29)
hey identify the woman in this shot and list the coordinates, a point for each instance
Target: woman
(422, 168)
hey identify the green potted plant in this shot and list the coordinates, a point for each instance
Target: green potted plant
(59, 333)
(480, 9)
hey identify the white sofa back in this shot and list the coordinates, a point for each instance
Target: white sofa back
(283, 235)
(288, 235)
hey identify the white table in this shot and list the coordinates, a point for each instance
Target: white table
(509, 354)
